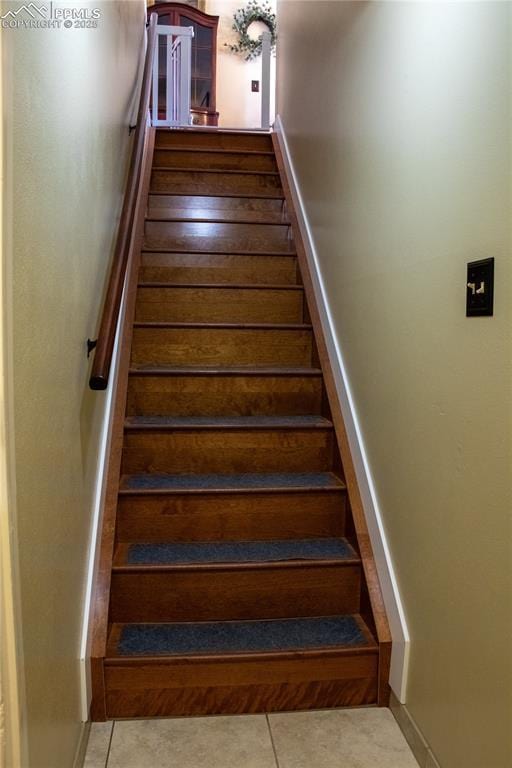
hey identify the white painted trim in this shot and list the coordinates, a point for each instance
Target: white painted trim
(385, 570)
(266, 51)
(185, 73)
(81, 748)
(98, 503)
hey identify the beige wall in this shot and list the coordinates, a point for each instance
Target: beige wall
(398, 117)
(66, 131)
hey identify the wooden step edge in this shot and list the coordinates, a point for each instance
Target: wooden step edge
(214, 130)
(245, 222)
(223, 252)
(305, 653)
(274, 193)
(339, 489)
(217, 151)
(228, 371)
(229, 171)
(228, 326)
(226, 658)
(224, 286)
(130, 425)
(230, 491)
(147, 248)
(233, 195)
(234, 567)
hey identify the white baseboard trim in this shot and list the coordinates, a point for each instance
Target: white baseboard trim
(81, 749)
(384, 565)
(413, 735)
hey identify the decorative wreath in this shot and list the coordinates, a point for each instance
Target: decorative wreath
(243, 19)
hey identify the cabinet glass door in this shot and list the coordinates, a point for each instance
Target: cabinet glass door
(201, 86)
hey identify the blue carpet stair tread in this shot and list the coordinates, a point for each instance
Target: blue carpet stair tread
(247, 481)
(241, 636)
(237, 422)
(241, 551)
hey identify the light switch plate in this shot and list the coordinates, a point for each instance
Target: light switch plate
(480, 288)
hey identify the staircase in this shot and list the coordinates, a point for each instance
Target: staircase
(238, 579)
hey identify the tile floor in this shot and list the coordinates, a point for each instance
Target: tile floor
(343, 738)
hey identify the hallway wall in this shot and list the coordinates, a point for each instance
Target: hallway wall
(66, 135)
(398, 120)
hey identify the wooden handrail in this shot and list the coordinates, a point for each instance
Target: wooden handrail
(112, 304)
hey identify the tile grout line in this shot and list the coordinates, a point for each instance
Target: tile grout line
(272, 741)
(110, 744)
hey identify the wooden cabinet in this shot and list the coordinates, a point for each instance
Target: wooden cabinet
(204, 56)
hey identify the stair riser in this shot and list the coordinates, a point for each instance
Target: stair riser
(190, 182)
(214, 268)
(221, 214)
(224, 395)
(255, 142)
(225, 238)
(210, 305)
(196, 204)
(241, 687)
(221, 346)
(161, 230)
(227, 451)
(224, 594)
(231, 517)
(223, 160)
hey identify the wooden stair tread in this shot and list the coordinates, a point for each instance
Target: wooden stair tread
(151, 483)
(202, 370)
(254, 638)
(226, 422)
(235, 554)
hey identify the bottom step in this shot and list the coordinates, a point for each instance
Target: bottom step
(204, 668)
(189, 638)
